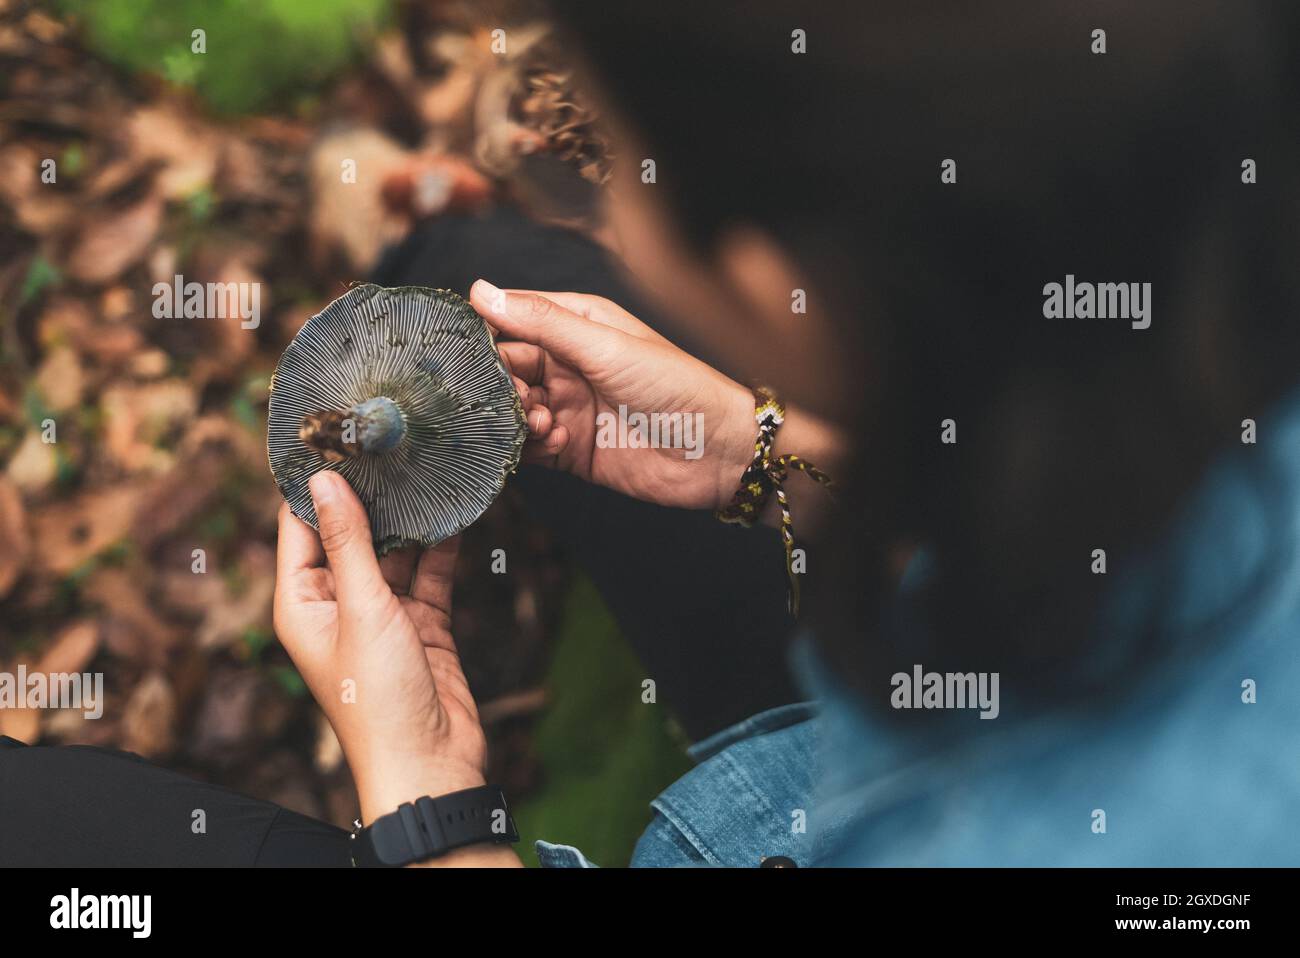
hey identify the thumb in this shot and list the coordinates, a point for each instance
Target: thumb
(345, 537)
(583, 344)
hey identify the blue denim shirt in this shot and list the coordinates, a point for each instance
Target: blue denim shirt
(1180, 769)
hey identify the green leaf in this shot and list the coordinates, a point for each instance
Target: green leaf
(40, 275)
(606, 753)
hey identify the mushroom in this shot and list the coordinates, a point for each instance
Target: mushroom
(402, 392)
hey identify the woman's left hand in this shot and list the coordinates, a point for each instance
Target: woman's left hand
(372, 639)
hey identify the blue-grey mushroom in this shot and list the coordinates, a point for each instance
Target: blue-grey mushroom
(402, 392)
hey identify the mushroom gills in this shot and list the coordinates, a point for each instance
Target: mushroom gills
(402, 392)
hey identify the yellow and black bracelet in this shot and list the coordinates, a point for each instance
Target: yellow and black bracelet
(765, 476)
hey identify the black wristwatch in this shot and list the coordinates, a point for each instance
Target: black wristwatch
(429, 827)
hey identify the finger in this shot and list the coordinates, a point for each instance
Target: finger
(434, 575)
(397, 568)
(589, 347)
(345, 537)
(432, 625)
(548, 446)
(530, 397)
(557, 440)
(298, 547)
(599, 310)
(521, 387)
(540, 421)
(526, 361)
(536, 456)
(299, 557)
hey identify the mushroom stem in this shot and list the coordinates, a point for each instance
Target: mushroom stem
(370, 427)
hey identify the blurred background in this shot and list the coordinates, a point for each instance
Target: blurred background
(217, 155)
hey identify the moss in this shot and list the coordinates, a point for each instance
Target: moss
(260, 54)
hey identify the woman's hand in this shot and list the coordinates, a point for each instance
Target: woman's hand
(577, 358)
(372, 639)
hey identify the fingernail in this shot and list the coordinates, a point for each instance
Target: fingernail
(496, 298)
(535, 420)
(323, 488)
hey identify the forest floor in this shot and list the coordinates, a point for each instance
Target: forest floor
(137, 512)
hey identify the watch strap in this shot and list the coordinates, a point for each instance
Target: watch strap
(429, 827)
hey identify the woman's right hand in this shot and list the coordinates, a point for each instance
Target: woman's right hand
(575, 357)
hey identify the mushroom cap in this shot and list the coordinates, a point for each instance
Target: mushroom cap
(432, 355)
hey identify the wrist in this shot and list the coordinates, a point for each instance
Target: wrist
(381, 789)
(810, 438)
(738, 434)
(386, 798)
(816, 441)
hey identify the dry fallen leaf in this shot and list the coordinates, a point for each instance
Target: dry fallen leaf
(68, 533)
(226, 622)
(112, 242)
(211, 447)
(60, 380)
(133, 629)
(70, 652)
(351, 217)
(72, 649)
(21, 724)
(149, 719)
(72, 321)
(232, 335)
(15, 542)
(37, 207)
(34, 466)
(139, 416)
(187, 150)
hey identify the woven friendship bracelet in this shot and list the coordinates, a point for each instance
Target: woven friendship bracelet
(765, 476)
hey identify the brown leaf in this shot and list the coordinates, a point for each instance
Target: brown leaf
(231, 342)
(210, 447)
(191, 593)
(187, 150)
(226, 622)
(68, 533)
(72, 649)
(23, 724)
(73, 321)
(224, 723)
(242, 173)
(149, 719)
(60, 380)
(239, 710)
(132, 628)
(138, 417)
(15, 542)
(352, 218)
(37, 207)
(114, 175)
(113, 242)
(34, 466)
